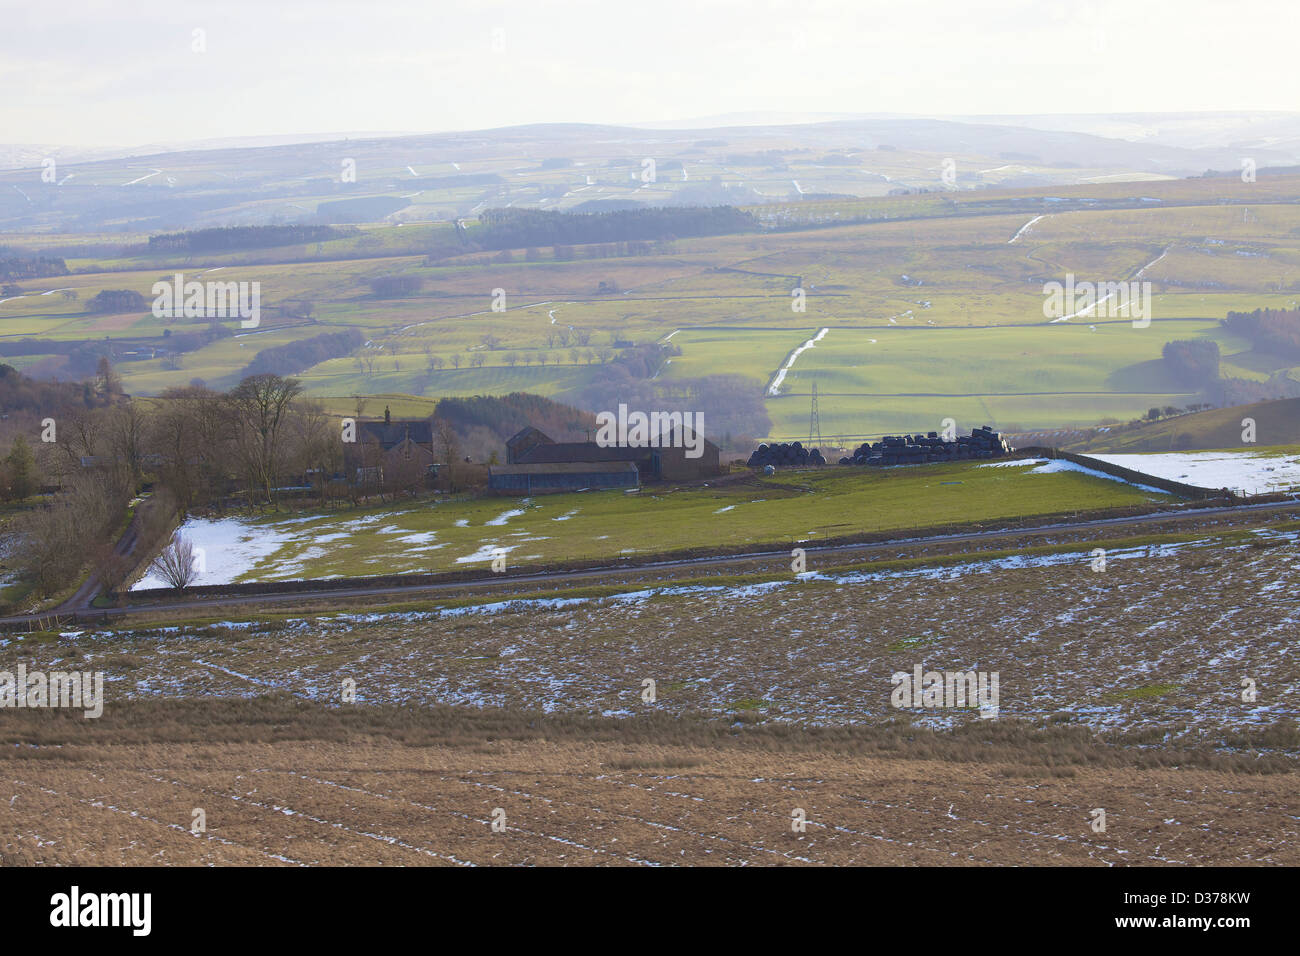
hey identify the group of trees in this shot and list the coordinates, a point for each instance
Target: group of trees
(236, 238)
(117, 300)
(395, 286)
(732, 405)
(203, 446)
(19, 394)
(301, 355)
(80, 523)
(194, 445)
(1193, 362)
(33, 267)
(1275, 331)
(487, 422)
(18, 475)
(592, 250)
(514, 228)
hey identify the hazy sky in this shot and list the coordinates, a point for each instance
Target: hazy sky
(125, 72)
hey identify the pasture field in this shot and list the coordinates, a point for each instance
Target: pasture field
(869, 381)
(407, 374)
(797, 506)
(756, 353)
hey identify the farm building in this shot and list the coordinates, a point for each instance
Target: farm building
(393, 452)
(543, 479)
(667, 462)
(390, 434)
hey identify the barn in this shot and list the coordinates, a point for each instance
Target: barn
(669, 462)
(541, 479)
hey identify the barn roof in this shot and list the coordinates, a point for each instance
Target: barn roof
(580, 451)
(564, 468)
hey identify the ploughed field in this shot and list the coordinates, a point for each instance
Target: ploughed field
(590, 798)
(392, 736)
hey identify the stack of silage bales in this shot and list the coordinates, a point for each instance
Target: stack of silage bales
(919, 449)
(785, 455)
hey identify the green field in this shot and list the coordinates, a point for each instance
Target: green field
(791, 507)
(1015, 377)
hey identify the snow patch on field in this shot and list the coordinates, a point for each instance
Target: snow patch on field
(231, 547)
(486, 553)
(775, 390)
(420, 537)
(1057, 465)
(1245, 471)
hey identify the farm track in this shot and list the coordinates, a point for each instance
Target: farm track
(557, 580)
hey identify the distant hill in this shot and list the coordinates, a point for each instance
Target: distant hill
(443, 177)
(1276, 423)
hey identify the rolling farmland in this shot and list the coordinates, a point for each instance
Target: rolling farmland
(902, 298)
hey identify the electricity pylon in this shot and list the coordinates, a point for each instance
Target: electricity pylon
(814, 422)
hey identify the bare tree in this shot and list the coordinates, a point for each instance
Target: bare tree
(316, 449)
(260, 404)
(107, 380)
(189, 432)
(125, 426)
(177, 564)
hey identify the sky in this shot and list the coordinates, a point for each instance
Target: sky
(127, 72)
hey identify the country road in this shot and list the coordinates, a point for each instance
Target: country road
(556, 579)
